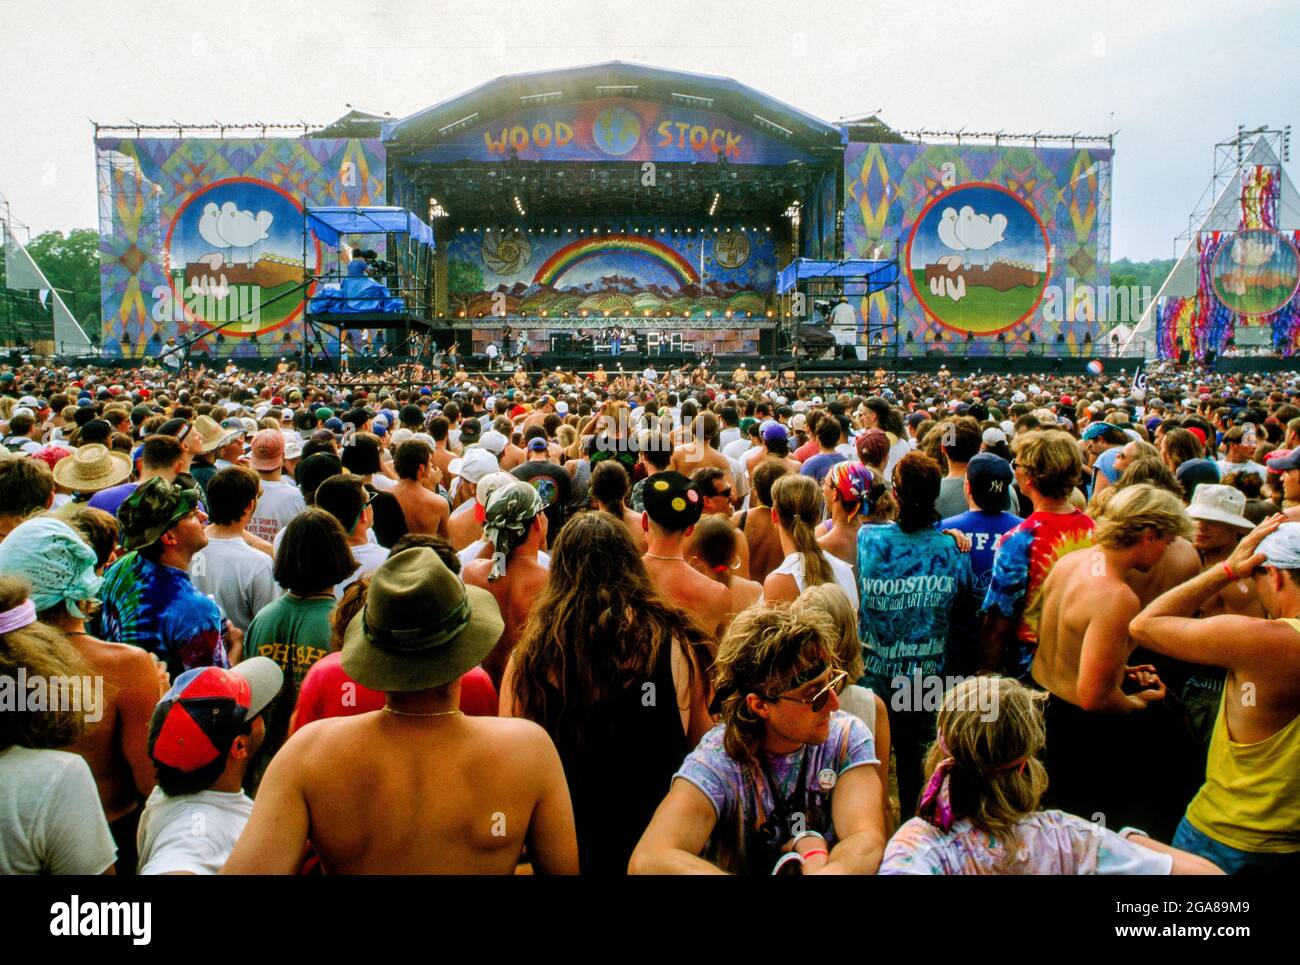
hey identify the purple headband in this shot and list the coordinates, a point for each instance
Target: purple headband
(936, 799)
(23, 615)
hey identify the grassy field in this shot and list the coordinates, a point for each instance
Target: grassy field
(1256, 301)
(982, 309)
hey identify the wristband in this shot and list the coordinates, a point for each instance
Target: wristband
(815, 851)
(1228, 569)
(784, 864)
(807, 834)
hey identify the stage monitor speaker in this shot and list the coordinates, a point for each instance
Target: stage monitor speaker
(1183, 356)
(1210, 356)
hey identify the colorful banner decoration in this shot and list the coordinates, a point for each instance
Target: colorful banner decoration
(1247, 277)
(613, 129)
(993, 242)
(205, 237)
(660, 271)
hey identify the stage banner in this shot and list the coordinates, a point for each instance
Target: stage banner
(997, 245)
(204, 236)
(612, 129)
(573, 272)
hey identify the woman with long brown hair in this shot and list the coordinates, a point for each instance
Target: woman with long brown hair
(615, 675)
(797, 508)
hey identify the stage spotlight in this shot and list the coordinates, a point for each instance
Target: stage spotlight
(708, 313)
(728, 312)
(584, 313)
(543, 313)
(770, 313)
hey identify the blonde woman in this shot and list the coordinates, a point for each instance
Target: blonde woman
(797, 508)
(979, 813)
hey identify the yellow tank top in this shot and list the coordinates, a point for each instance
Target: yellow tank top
(1251, 797)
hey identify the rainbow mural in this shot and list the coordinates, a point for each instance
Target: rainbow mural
(568, 256)
(566, 269)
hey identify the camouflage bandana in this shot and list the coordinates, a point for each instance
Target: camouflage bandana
(155, 507)
(508, 514)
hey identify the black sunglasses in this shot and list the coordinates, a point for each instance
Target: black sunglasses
(817, 702)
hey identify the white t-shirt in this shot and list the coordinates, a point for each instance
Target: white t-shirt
(51, 821)
(793, 566)
(735, 450)
(383, 483)
(370, 556)
(728, 436)
(190, 832)
(280, 502)
(472, 552)
(1250, 465)
(896, 452)
(237, 576)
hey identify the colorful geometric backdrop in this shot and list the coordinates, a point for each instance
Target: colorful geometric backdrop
(1247, 277)
(195, 232)
(994, 241)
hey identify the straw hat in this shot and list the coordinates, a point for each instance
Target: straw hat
(92, 468)
(210, 433)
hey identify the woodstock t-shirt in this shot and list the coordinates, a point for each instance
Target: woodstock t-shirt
(1025, 556)
(908, 584)
(1044, 843)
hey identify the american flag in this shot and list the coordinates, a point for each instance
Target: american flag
(1139, 389)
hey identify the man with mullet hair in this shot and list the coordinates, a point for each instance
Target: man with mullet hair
(1047, 467)
(787, 780)
(1109, 750)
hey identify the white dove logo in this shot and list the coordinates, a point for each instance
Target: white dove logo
(228, 227)
(966, 231)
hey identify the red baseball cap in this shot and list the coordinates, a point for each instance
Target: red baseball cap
(199, 718)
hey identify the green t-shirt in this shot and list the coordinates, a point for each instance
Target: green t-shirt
(295, 633)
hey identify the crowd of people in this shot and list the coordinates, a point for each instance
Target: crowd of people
(900, 624)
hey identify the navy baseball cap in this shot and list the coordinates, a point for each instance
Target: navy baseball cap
(990, 478)
(672, 500)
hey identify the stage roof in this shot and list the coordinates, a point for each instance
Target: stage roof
(615, 78)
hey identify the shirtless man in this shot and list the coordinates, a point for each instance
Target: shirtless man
(1245, 816)
(425, 511)
(673, 506)
(715, 487)
(1109, 751)
(415, 788)
(776, 445)
(700, 451)
(515, 526)
(442, 456)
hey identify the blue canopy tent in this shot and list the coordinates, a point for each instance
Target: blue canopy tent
(852, 276)
(876, 274)
(392, 292)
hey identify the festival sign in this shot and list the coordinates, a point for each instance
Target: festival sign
(993, 241)
(613, 129)
(202, 236)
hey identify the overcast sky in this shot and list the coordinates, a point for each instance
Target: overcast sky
(1172, 77)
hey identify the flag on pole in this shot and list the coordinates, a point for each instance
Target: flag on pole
(1139, 388)
(44, 296)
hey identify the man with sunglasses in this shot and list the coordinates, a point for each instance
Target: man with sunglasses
(785, 773)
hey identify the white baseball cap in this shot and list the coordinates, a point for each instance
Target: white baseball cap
(1219, 504)
(494, 442)
(474, 465)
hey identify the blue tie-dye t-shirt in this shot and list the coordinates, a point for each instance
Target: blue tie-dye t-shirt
(907, 586)
(157, 608)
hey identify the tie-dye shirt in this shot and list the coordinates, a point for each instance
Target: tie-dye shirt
(1025, 556)
(743, 801)
(1045, 843)
(157, 608)
(908, 584)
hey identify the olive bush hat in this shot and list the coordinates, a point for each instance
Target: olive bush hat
(421, 627)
